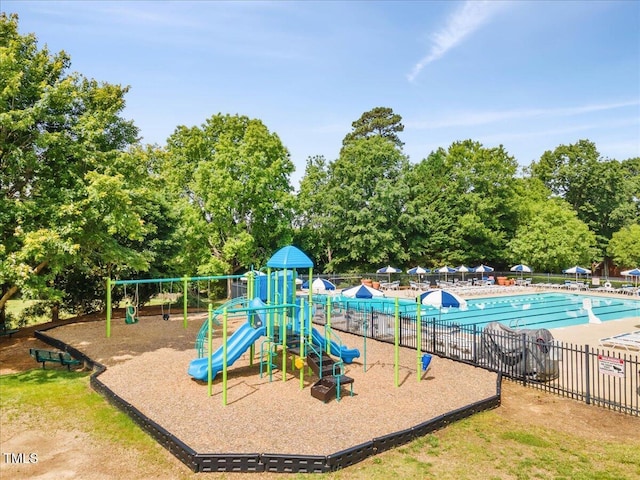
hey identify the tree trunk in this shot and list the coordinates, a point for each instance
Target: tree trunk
(55, 312)
(3, 314)
(13, 290)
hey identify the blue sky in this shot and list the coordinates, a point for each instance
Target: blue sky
(527, 75)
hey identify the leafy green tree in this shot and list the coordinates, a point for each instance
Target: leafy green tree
(65, 199)
(380, 121)
(232, 176)
(549, 236)
(596, 188)
(313, 222)
(367, 193)
(460, 208)
(631, 184)
(624, 246)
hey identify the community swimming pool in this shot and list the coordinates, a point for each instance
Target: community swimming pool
(534, 310)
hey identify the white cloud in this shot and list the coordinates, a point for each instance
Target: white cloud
(482, 118)
(463, 22)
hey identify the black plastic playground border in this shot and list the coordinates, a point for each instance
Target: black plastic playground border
(268, 462)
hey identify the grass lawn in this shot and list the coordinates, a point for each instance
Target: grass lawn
(14, 309)
(485, 446)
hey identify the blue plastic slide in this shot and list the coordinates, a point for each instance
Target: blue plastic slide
(347, 354)
(237, 344)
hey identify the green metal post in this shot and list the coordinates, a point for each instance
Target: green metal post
(327, 329)
(224, 356)
(285, 321)
(185, 281)
(209, 351)
(310, 302)
(302, 349)
(397, 342)
(108, 307)
(364, 346)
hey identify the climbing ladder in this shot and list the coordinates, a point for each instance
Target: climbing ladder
(331, 375)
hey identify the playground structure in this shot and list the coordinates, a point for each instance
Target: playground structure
(283, 323)
(274, 312)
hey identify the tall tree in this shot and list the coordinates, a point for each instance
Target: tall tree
(594, 187)
(233, 177)
(367, 192)
(380, 121)
(631, 173)
(313, 223)
(64, 198)
(461, 207)
(550, 237)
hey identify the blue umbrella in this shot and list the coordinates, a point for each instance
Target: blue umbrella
(319, 285)
(362, 291)
(463, 269)
(632, 273)
(521, 268)
(442, 298)
(446, 270)
(389, 269)
(418, 271)
(483, 269)
(577, 270)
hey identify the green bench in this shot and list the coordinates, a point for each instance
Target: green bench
(44, 356)
(6, 331)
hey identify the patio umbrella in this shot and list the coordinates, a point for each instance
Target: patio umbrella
(254, 273)
(319, 285)
(362, 291)
(418, 271)
(632, 273)
(577, 270)
(446, 270)
(483, 269)
(521, 268)
(442, 298)
(389, 269)
(463, 269)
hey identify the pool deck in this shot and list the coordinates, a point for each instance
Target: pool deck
(591, 333)
(586, 334)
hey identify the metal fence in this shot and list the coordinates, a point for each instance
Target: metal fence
(605, 377)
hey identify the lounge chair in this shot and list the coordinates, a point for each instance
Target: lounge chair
(628, 341)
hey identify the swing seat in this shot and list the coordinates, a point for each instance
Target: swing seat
(130, 315)
(165, 316)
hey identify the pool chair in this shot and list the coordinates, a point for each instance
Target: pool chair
(628, 341)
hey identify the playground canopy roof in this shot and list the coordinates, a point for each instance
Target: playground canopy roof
(290, 257)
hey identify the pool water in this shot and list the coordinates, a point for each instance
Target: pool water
(534, 310)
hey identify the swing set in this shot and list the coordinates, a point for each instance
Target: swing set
(132, 308)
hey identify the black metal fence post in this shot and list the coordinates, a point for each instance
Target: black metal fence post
(587, 375)
(525, 358)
